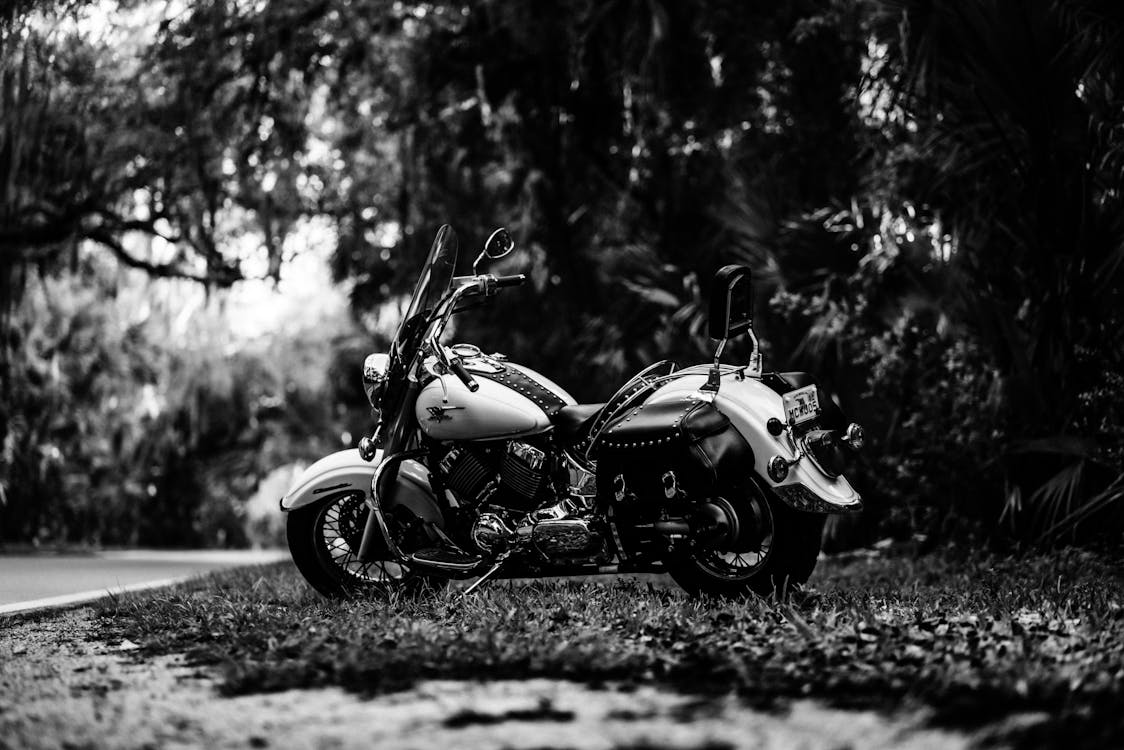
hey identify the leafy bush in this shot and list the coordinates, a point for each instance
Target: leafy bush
(130, 416)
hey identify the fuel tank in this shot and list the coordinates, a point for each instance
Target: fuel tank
(447, 410)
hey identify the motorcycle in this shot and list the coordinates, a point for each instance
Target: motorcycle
(719, 475)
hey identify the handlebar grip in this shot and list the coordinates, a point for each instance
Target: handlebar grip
(464, 375)
(515, 280)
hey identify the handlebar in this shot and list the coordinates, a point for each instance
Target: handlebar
(515, 280)
(465, 376)
(465, 286)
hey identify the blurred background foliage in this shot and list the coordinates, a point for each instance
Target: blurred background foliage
(928, 192)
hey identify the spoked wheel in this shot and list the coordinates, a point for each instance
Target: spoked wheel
(324, 540)
(764, 547)
(745, 546)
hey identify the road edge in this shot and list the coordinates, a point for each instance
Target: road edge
(20, 611)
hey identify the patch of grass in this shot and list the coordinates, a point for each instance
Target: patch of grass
(975, 638)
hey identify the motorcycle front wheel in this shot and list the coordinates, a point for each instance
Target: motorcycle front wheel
(769, 550)
(324, 540)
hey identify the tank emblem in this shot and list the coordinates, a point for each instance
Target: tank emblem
(437, 413)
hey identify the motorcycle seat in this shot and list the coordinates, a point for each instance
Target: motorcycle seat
(572, 423)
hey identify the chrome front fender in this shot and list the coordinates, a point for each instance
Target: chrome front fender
(346, 471)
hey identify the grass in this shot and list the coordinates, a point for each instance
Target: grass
(977, 639)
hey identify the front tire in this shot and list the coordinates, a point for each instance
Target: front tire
(324, 540)
(771, 549)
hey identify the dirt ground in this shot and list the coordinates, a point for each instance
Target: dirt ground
(62, 687)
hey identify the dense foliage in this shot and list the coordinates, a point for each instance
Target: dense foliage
(135, 417)
(927, 190)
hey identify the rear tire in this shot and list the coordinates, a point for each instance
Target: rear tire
(324, 541)
(782, 543)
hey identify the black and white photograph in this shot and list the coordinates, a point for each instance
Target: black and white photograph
(562, 374)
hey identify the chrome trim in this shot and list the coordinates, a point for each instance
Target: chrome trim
(466, 351)
(368, 447)
(854, 436)
(375, 368)
(806, 450)
(576, 461)
(815, 461)
(488, 531)
(778, 469)
(755, 365)
(714, 375)
(800, 497)
(375, 503)
(563, 538)
(459, 567)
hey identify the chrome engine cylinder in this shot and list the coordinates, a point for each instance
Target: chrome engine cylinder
(522, 470)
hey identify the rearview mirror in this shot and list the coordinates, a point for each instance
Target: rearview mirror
(731, 302)
(498, 245)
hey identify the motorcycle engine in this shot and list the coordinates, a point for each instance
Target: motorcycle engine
(517, 472)
(509, 485)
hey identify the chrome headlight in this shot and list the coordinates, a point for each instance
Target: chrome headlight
(375, 369)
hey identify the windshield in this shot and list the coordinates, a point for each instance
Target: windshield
(436, 276)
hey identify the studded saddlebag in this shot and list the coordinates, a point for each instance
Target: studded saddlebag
(684, 434)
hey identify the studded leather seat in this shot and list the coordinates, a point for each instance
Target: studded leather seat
(572, 423)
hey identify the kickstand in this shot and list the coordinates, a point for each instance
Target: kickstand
(500, 560)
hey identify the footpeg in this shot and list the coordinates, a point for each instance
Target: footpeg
(445, 559)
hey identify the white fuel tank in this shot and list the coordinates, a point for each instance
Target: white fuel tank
(494, 411)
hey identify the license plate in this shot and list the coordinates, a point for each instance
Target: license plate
(801, 405)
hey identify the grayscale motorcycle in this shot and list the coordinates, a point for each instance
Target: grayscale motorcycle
(719, 475)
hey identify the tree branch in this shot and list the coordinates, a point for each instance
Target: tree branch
(225, 278)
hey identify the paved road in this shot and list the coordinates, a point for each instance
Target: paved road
(31, 580)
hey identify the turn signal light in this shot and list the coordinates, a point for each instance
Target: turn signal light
(778, 469)
(367, 448)
(854, 436)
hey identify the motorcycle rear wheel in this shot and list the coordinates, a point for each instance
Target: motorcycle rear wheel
(773, 554)
(324, 540)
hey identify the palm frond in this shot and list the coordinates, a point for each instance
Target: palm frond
(1068, 522)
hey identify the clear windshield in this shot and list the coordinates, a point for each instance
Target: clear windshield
(435, 279)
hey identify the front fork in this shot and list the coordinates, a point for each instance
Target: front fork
(376, 534)
(373, 539)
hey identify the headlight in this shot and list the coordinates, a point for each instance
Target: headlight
(375, 369)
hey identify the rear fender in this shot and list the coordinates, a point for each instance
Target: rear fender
(346, 471)
(749, 404)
